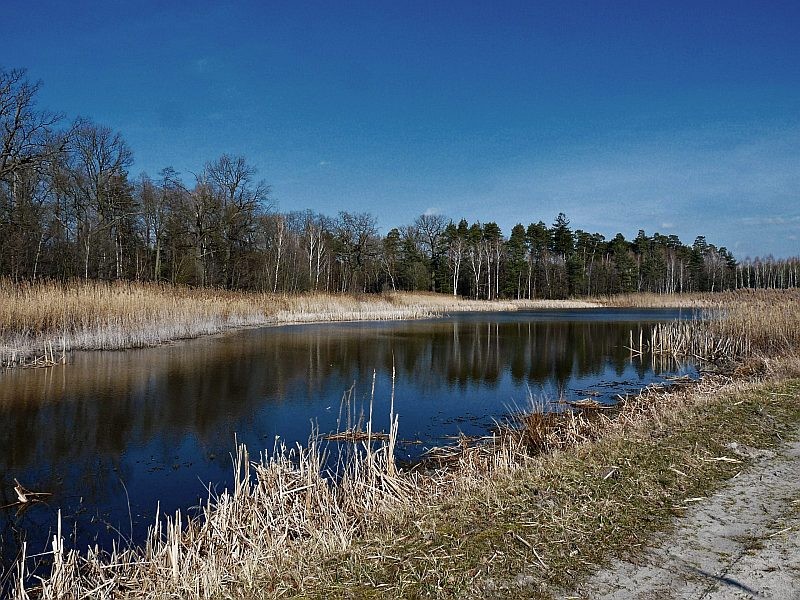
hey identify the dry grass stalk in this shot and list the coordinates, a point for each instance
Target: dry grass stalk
(285, 514)
(41, 322)
(743, 324)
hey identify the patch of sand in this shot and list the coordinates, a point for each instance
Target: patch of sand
(743, 542)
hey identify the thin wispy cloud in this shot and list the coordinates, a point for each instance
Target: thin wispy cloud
(794, 220)
(688, 183)
(200, 65)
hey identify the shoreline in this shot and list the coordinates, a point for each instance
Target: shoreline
(612, 481)
(526, 513)
(538, 528)
(41, 324)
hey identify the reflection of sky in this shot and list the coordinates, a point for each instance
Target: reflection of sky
(158, 425)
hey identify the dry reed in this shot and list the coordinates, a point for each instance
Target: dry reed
(285, 509)
(41, 322)
(286, 515)
(739, 325)
(652, 300)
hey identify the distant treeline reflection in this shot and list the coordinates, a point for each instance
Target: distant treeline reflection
(115, 432)
(112, 397)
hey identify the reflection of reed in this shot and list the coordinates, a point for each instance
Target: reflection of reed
(103, 315)
(108, 400)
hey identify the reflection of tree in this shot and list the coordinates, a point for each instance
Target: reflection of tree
(104, 402)
(68, 429)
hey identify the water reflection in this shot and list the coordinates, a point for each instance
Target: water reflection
(111, 434)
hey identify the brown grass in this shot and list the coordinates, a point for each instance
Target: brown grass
(652, 300)
(45, 320)
(739, 325)
(545, 499)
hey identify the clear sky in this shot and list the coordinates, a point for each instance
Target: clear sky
(676, 117)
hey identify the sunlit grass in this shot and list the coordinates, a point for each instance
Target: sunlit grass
(97, 315)
(518, 515)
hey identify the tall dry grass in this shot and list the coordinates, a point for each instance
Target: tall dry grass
(92, 315)
(283, 512)
(653, 300)
(50, 318)
(740, 324)
(286, 515)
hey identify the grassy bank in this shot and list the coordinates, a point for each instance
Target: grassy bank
(534, 530)
(43, 321)
(520, 515)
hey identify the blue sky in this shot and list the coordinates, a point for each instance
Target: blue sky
(675, 117)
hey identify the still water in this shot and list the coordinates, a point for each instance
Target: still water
(112, 434)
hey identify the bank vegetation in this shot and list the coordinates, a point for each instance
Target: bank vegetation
(525, 512)
(41, 322)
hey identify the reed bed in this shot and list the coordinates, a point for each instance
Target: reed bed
(740, 325)
(41, 322)
(400, 305)
(287, 515)
(291, 527)
(285, 511)
(652, 300)
(92, 315)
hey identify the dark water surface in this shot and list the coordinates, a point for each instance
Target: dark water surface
(111, 434)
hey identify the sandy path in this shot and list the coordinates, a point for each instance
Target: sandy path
(743, 542)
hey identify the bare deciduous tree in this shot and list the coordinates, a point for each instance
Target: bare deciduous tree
(241, 199)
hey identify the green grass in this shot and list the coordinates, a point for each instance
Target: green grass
(546, 526)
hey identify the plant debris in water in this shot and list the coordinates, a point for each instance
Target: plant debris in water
(520, 513)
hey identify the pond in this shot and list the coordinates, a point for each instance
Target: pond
(112, 434)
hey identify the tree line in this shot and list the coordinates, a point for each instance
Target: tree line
(70, 208)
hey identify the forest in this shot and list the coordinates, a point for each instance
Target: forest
(70, 208)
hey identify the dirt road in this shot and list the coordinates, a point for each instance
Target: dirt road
(743, 542)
